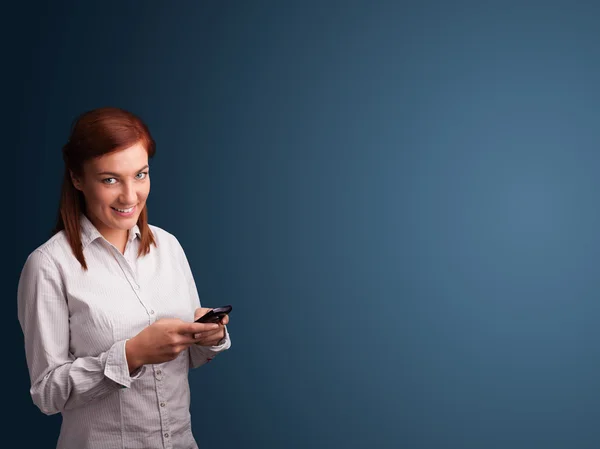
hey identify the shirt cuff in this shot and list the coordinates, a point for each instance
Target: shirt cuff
(117, 368)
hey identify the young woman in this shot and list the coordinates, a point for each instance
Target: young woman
(107, 305)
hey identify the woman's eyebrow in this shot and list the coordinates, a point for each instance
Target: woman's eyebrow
(117, 174)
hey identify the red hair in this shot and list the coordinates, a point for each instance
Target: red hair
(93, 134)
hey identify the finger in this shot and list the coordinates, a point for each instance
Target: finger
(209, 335)
(225, 320)
(208, 341)
(218, 335)
(212, 335)
(195, 328)
(215, 341)
(210, 338)
(186, 340)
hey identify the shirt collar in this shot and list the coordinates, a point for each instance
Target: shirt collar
(134, 232)
(89, 233)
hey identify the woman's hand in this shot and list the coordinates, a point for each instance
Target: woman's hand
(164, 339)
(210, 337)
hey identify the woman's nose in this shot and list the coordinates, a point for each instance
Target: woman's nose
(128, 195)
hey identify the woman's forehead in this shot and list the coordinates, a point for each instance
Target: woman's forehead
(126, 161)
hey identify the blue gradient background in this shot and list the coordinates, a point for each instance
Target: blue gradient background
(400, 199)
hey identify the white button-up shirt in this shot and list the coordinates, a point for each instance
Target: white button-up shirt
(75, 324)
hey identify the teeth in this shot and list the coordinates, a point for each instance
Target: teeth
(125, 211)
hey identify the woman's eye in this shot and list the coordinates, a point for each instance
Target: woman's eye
(109, 181)
(141, 175)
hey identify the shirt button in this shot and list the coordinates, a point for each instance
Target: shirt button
(158, 372)
(166, 435)
(162, 404)
(152, 312)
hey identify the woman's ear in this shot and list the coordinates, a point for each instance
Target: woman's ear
(75, 180)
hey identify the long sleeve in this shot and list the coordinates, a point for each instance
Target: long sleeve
(59, 380)
(200, 355)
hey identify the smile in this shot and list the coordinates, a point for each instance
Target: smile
(123, 211)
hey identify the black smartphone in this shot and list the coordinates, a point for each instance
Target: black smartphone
(215, 315)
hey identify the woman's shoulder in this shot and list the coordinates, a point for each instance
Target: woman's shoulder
(53, 248)
(162, 236)
(57, 243)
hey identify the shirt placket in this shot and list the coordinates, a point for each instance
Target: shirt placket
(131, 275)
(159, 377)
(128, 266)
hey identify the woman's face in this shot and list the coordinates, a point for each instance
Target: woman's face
(115, 187)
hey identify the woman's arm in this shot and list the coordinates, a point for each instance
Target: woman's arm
(59, 381)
